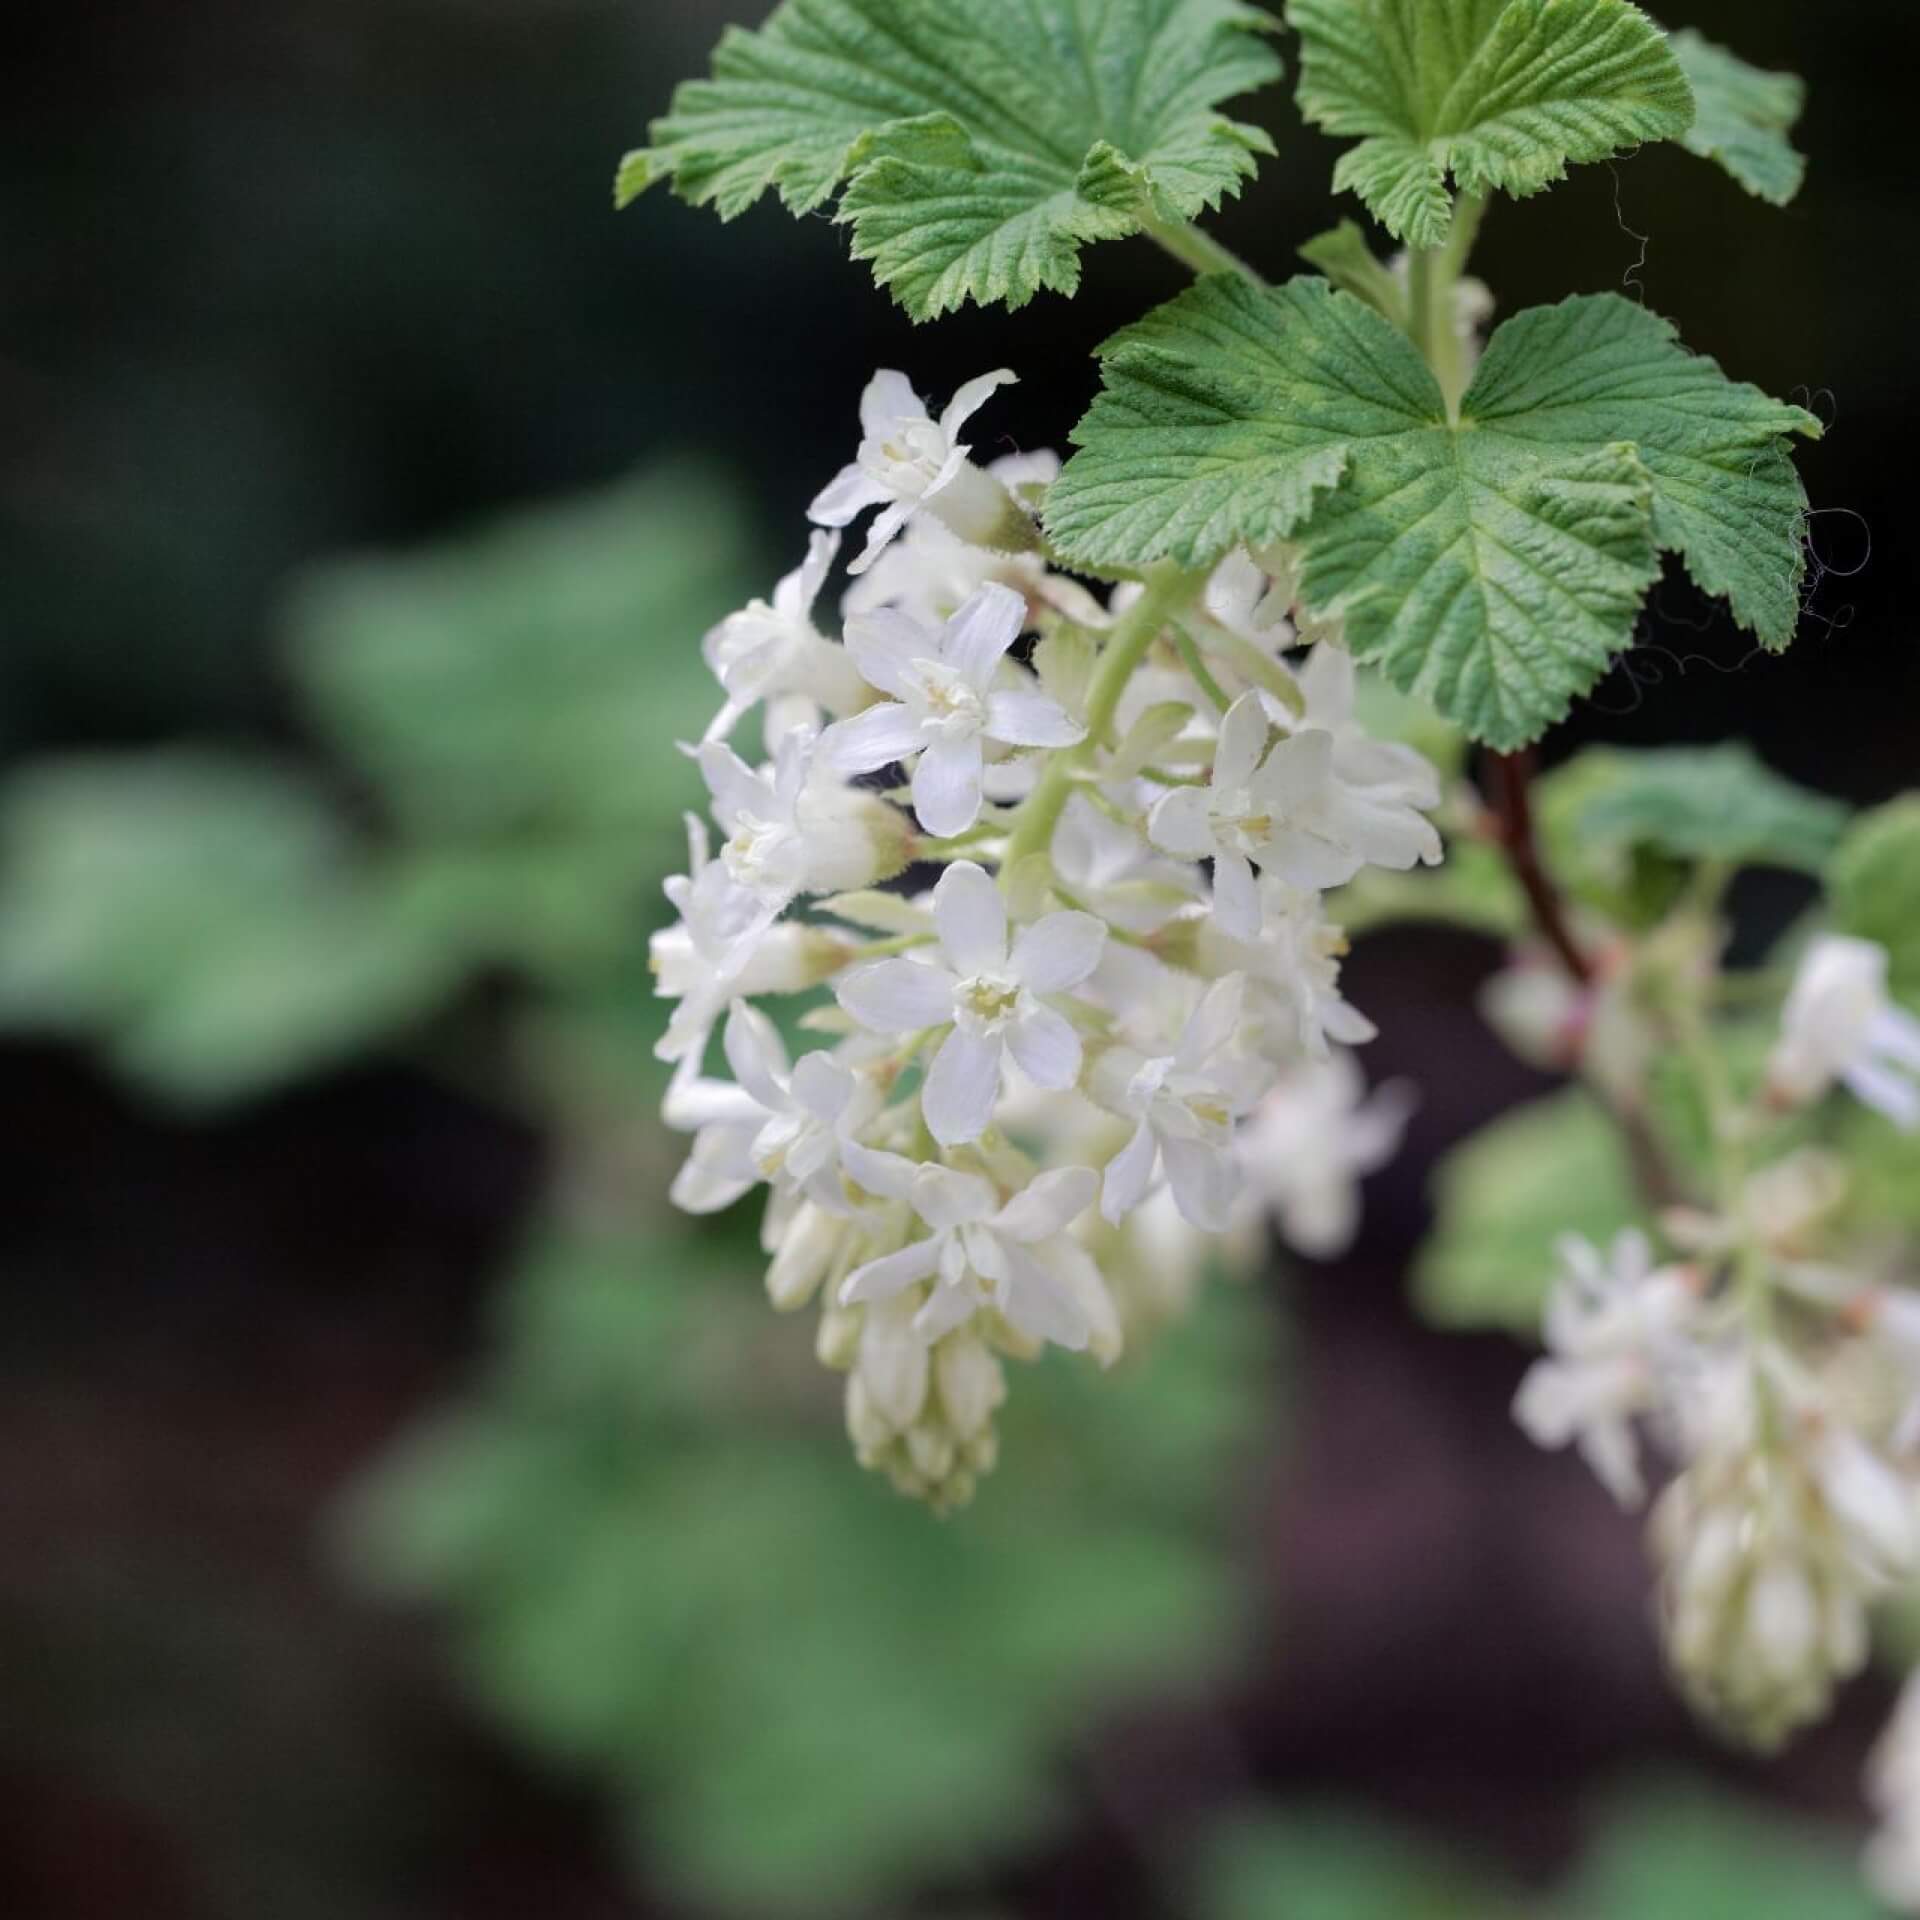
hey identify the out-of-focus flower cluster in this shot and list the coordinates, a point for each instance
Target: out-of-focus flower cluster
(1059, 862)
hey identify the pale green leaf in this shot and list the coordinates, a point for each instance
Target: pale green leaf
(1493, 566)
(1874, 886)
(1346, 260)
(1745, 117)
(1711, 804)
(1505, 1196)
(1492, 94)
(981, 147)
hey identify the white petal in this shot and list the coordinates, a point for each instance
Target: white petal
(1236, 897)
(972, 397)
(972, 919)
(884, 647)
(890, 1175)
(977, 637)
(970, 1381)
(962, 1086)
(1046, 1048)
(1205, 1182)
(882, 1278)
(946, 787)
(947, 1308)
(1028, 719)
(758, 1060)
(1039, 1305)
(886, 524)
(1051, 1204)
(1297, 773)
(875, 738)
(889, 398)
(898, 996)
(735, 787)
(1058, 952)
(795, 595)
(1128, 1174)
(945, 1198)
(845, 497)
(1214, 1022)
(1885, 1090)
(1181, 823)
(822, 1085)
(1243, 738)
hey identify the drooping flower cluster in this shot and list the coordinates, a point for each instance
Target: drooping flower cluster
(1774, 1363)
(1052, 867)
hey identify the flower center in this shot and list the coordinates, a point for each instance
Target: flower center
(989, 1000)
(908, 461)
(950, 708)
(764, 853)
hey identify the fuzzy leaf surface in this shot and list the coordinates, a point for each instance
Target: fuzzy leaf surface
(981, 147)
(1492, 94)
(1494, 565)
(1745, 118)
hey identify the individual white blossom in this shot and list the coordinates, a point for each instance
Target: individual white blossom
(774, 654)
(723, 926)
(1308, 1144)
(1293, 975)
(1615, 1327)
(990, 997)
(1287, 808)
(1112, 869)
(908, 463)
(981, 1254)
(779, 1123)
(1183, 1105)
(1841, 1025)
(952, 695)
(930, 572)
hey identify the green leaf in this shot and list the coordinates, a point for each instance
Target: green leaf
(1709, 804)
(1346, 260)
(1505, 1196)
(1494, 93)
(803, 1693)
(1744, 117)
(1874, 887)
(1493, 566)
(1675, 1850)
(981, 146)
(202, 920)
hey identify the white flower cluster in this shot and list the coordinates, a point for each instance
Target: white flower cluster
(1061, 862)
(1776, 1366)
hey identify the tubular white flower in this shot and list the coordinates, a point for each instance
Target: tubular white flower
(1291, 811)
(908, 463)
(780, 1123)
(774, 654)
(946, 705)
(988, 996)
(1841, 1024)
(1614, 1324)
(1308, 1144)
(979, 1253)
(1183, 1105)
(931, 572)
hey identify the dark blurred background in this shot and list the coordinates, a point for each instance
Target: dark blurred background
(282, 282)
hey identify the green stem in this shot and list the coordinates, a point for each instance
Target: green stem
(1168, 588)
(1432, 275)
(1200, 251)
(1190, 654)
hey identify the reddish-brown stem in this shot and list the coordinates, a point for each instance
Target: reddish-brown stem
(1512, 782)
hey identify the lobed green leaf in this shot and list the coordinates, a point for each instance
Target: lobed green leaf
(1495, 564)
(1745, 117)
(981, 147)
(1485, 94)
(1874, 887)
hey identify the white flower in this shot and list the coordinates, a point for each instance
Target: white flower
(1893, 1783)
(1291, 811)
(722, 927)
(1293, 974)
(1110, 867)
(908, 462)
(945, 706)
(773, 653)
(932, 572)
(1013, 1259)
(791, 831)
(1308, 1144)
(1184, 1105)
(1840, 1024)
(1613, 1325)
(990, 998)
(780, 1123)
